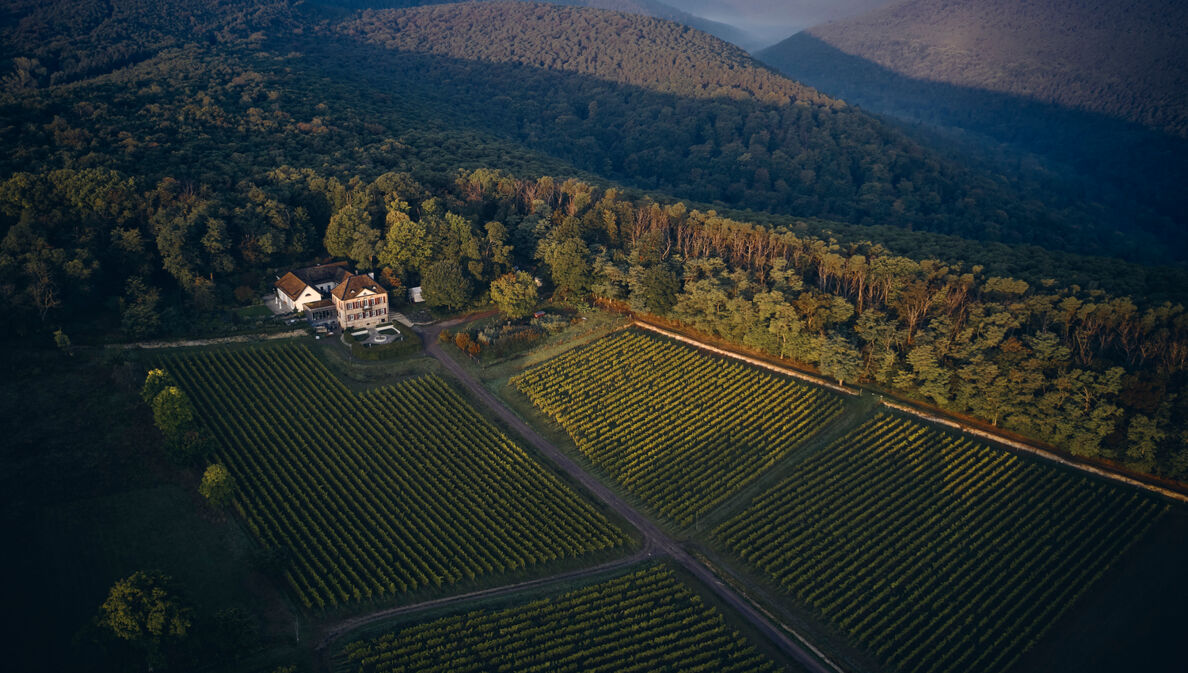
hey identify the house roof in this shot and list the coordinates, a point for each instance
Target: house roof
(316, 275)
(291, 285)
(354, 285)
(321, 303)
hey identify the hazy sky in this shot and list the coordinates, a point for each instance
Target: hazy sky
(770, 21)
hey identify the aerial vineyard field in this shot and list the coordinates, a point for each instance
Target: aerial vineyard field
(681, 430)
(936, 553)
(644, 621)
(378, 494)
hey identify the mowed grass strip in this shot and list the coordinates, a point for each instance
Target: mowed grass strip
(395, 490)
(679, 429)
(644, 621)
(933, 552)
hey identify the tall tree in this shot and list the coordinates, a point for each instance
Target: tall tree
(406, 245)
(154, 382)
(217, 485)
(567, 262)
(444, 284)
(172, 411)
(145, 610)
(654, 289)
(515, 294)
(839, 359)
(351, 235)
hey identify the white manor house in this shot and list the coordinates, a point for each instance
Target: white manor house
(331, 293)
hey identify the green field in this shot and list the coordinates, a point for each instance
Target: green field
(936, 553)
(645, 621)
(380, 494)
(680, 430)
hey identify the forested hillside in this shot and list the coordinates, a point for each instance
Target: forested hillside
(1086, 99)
(644, 102)
(1123, 58)
(768, 21)
(65, 40)
(683, 113)
(652, 8)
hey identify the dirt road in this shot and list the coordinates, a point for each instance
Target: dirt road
(237, 339)
(334, 632)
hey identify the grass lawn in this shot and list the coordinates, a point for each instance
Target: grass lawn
(253, 312)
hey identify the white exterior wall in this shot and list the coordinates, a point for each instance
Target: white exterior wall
(283, 301)
(308, 296)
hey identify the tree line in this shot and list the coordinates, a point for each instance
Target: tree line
(1097, 374)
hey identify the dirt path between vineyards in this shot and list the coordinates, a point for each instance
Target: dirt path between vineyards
(339, 629)
(237, 339)
(795, 645)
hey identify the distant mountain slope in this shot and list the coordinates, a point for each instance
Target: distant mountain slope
(640, 101)
(1078, 153)
(660, 106)
(653, 8)
(661, 10)
(625, 48)
(1124, 58)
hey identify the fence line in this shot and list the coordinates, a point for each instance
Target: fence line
(978, 432)
(755, 361)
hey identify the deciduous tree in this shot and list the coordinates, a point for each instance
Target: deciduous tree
(445, 285)
(217, 485)
(145, 610)
(567, 263)
(154, 382)
(515, 294)
(172, 412)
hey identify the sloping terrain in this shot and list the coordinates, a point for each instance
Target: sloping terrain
(652, 8)
(1122, 58)
(1087, 102)
(644, 102)
(656, 105)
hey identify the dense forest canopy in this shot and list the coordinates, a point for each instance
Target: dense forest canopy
(627, 49)
(652, 8)
(678, 112)
(166, 186)
(760, 141)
